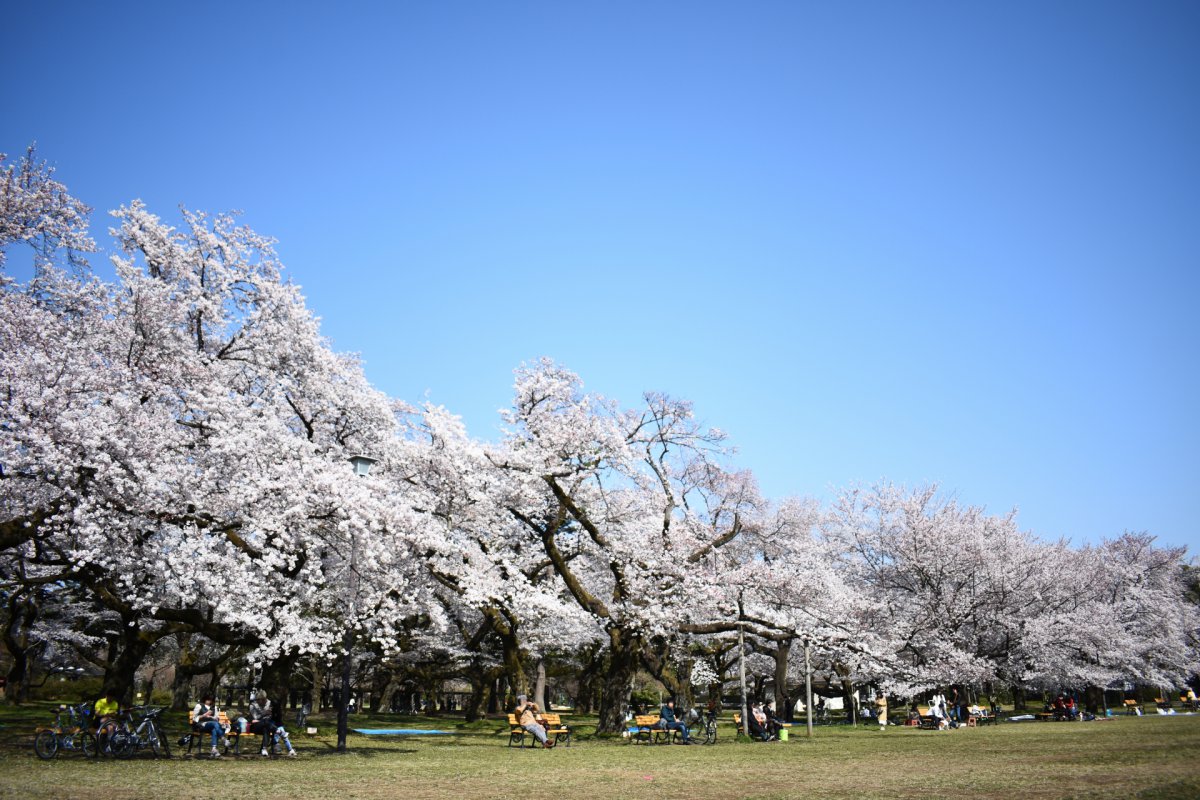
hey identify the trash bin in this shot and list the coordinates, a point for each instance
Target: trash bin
(783, 734)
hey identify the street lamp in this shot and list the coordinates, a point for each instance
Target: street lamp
(362, 468)
(362, 464)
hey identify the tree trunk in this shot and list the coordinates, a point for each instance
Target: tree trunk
(614, 689)
(179, 688)
(16, 690)
(381, 700)
(134, 645)
(318, 683)
(514, 667)
(1018, 693)
(848, 701)
(539, 686)
(593, 666)
(22, 613)
(276, 680)
(479, 682)
(783, 698)
(496, 697)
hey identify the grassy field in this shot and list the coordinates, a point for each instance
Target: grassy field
(1128, 757)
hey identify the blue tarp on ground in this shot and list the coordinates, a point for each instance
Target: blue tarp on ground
(396, 731)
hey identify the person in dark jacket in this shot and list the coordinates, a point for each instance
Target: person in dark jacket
(262, 720)
(670, 723)
(758, 723)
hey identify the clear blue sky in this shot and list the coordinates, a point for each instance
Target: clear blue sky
(923, 241)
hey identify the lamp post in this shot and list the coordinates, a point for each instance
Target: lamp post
(362, 468)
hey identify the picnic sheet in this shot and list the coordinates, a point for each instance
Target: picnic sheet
(397, 731)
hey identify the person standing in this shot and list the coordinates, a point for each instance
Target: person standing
(881, 710)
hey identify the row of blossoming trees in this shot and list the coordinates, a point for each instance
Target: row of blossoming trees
(174, 484)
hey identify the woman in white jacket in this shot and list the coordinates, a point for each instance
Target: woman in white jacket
(206, 717)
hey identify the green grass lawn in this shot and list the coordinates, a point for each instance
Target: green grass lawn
(1147, 757)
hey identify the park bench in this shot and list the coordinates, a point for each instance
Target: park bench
(927, 721)
(1133, 707)
(232, 734)
(984, 717)
(554, 728)
(737, 722)
(646, 728)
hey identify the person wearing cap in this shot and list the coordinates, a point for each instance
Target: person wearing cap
(526, 713)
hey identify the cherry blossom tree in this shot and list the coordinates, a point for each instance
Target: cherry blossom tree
(37, 210)
(627, 505)
(183, 435)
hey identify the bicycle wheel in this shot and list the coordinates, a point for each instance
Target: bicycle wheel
(46, 745)
(160, 742)
(122, 744)
(710, 733)
(88, 744)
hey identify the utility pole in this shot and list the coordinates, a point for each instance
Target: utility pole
(742, 670)
(362, 468)
(808, 686)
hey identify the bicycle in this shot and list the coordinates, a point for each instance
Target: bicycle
(129, 738)
(702, 729)
(705, 732)
(70, 736)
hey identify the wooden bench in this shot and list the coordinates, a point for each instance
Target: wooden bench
(646, 728)
(1132, 707)
(737, 722)
(927, 721)
(231, 734)
(554, 727)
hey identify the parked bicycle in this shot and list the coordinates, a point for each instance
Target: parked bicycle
(702, 726)
(708, 728)
(130, 737)
(69, 734)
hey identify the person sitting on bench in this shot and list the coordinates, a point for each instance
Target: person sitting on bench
(262, 720)
(758, 723)
(668, 722)
(527, 717)
(205, 717)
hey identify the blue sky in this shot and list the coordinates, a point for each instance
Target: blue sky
(952, 242)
